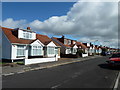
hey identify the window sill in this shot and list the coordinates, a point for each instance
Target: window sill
(20, 56)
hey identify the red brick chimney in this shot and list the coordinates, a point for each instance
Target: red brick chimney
(28, 28)
(63, 36)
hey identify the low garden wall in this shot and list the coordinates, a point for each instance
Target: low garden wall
(39, 60)
(84, 55)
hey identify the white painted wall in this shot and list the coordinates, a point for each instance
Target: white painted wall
(100, 50)
(88, 44)
(37, 43)
(6, 47)
(33, 35)
(39, 60)
(26, 52)
(68, 51)
(0, 43)
(0, 51)
(51, 44)
(14, 52)
(93, 50)
(75, 47)
(86, 50)
(20, 34)
(90, 50)
(84, 55)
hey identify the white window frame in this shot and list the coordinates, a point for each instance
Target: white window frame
(56, 51)
(36, 50)
(50, 49)
(69, 42)
(65, 41)
(27, 35)
(74, 50)
(21, 50)
(68, 50)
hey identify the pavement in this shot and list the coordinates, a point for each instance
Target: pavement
(8, 70)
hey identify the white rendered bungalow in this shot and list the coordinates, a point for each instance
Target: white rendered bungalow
(90, 48)
(98, 50)
(83, 47)
(24, 44)
(68, 46)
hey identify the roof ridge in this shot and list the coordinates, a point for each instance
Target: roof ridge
(7, 28)
(41, 34)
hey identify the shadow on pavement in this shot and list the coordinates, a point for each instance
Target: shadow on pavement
(107, 66)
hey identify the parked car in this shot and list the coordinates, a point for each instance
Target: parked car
(114, 60)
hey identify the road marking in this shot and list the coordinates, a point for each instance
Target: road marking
(66, 81)
(53, 87)
(117, 81)
(58, 85)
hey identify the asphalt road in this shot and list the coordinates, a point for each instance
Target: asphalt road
(93, 73)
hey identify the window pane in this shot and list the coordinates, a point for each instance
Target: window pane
(24, 35)
(37, 50)
(50, 50)
(20, 50)
(56, 51)
(20, 46)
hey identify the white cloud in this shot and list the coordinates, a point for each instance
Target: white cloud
(14, 23)
(87, 20)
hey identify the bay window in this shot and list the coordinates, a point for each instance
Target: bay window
(36, 50)
(68, 50)
(20, 50)
(56, 51)
(74, 50)
(51, 50)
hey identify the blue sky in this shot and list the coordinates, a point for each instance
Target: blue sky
(31, 11)
(84, 22)
(35, 10)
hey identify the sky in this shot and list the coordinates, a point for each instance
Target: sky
(34, 10)
(82, 21)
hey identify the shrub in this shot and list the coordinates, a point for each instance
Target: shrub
(79, 52)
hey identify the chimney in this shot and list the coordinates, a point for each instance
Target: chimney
(28, 28)
(63, 36)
